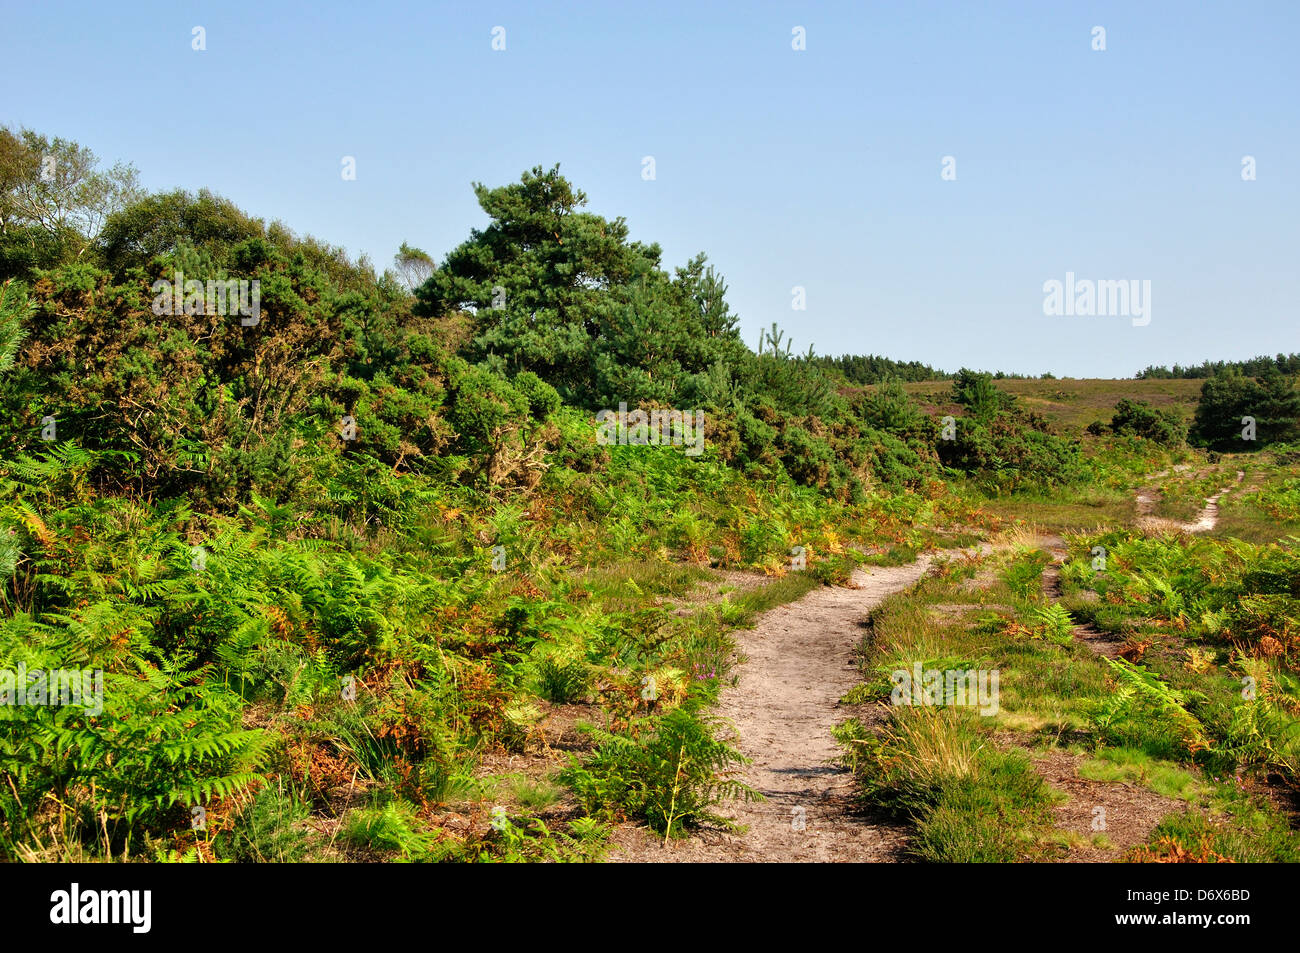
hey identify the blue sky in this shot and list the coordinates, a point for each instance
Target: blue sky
(818, 168)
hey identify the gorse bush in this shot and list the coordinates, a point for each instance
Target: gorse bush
(1005, 448)
(1138, 418)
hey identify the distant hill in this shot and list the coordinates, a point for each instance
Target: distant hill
(1075, 403)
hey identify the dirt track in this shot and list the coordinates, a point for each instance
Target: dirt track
(800, 663)
(1205, 520)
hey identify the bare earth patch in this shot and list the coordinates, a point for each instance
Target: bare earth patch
(1125, 814)
(984, 579)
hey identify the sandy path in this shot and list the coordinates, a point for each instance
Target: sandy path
(801, 661)
(1205, 521)
(1209, 516)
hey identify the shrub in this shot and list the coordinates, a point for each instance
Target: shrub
(1226, 398)
(1138, 418)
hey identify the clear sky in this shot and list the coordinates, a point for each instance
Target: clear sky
(817, 168)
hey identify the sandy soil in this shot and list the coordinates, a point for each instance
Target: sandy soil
(1125, 814)
(800, 663)
(1205, 521)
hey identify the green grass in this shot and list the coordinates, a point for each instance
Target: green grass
(968, 801)
(530, 794)
(1089, 514)
(968, 797)
(1238, 827)
(1267, 513)
(894, 556)
(1074, 404)
(999, 814)
(1128, 765)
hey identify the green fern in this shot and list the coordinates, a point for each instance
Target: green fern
(1052, 622)
(1139, 693)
